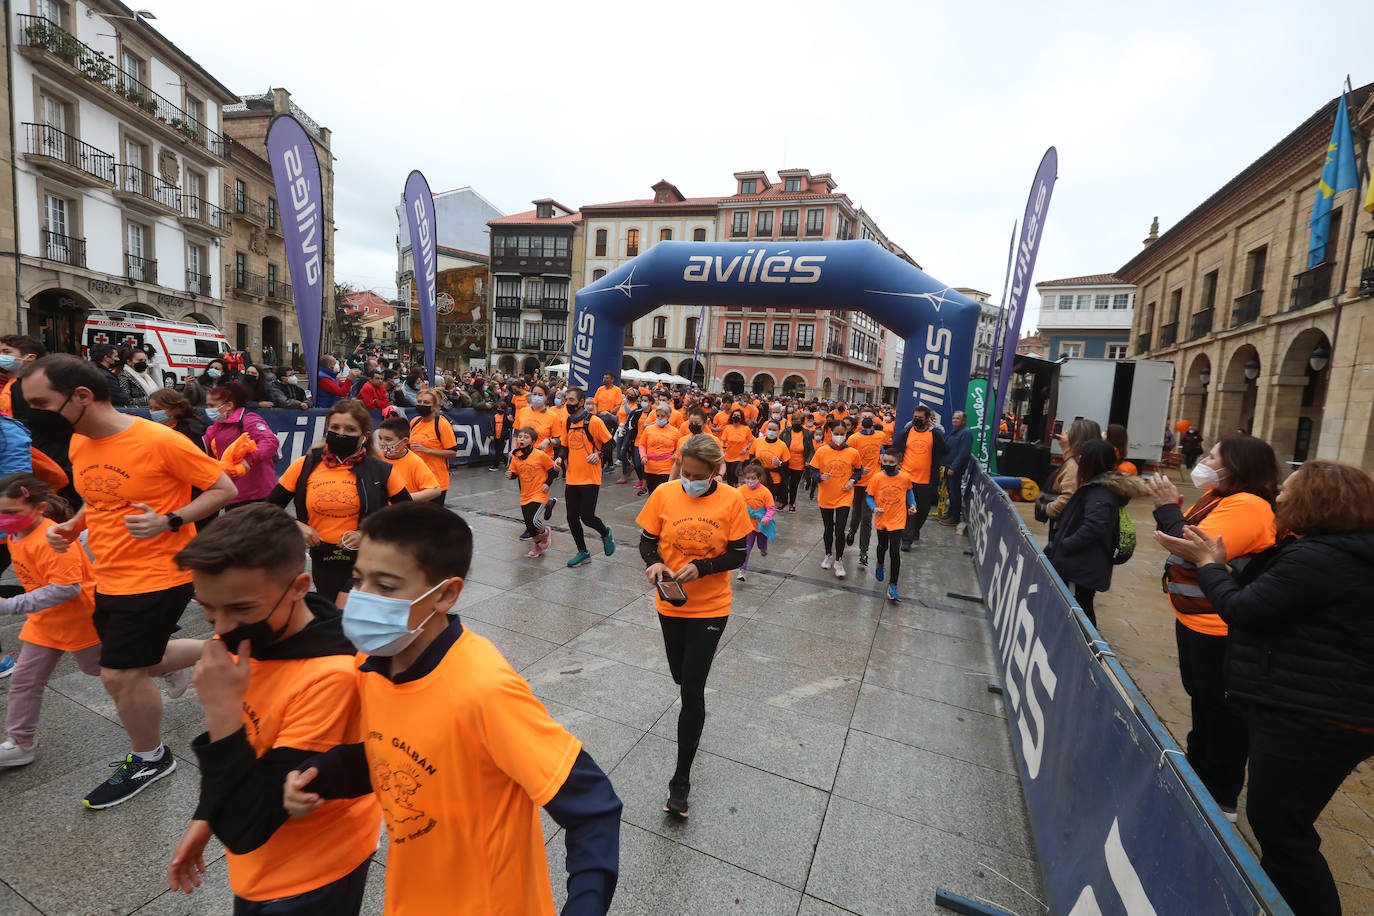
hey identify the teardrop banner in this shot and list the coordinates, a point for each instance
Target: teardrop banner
(296, 177)
(424, 259)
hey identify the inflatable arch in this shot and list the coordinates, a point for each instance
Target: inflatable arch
(937, 323)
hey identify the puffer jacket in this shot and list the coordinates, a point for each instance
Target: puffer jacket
(1301, 630)
(1081, 541)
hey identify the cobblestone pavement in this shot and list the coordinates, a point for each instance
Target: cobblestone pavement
(1136, 620)
(853, 760)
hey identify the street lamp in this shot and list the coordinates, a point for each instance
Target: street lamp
(1321, 355)
(1251, 370)
(138, 15)
(1205, 376)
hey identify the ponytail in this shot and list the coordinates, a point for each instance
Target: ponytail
(33, 491)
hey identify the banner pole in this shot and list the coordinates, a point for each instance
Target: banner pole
(995, 356)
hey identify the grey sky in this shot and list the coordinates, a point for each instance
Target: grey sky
(933, 117)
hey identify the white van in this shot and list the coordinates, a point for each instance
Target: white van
(174, 348)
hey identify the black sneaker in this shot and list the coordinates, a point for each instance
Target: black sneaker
(548, 507)
(863, 560)
(131, 777)
(677, 799)
(849, 539)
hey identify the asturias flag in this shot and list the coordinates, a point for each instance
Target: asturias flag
(1338, 174)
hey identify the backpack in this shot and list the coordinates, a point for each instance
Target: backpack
(1123, 545)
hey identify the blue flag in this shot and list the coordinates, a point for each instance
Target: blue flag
(1338, 174)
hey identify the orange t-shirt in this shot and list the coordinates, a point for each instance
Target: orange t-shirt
(692, 528)
(7, 397)
(414, 473)
(66, 626)
(677, 417)
(869, 447)
(608, 399)
(533, 473)
(1246, 524)
(331, 497)
(426, 432)
(584, 439)
(796, 449)
(147, 463)
(751, 413)
(773, 456)
(310, 704)
(889, 494)
(687, 435)
(736, 438)
(759, 497)
(659, 441)
(839, 463)
(461, 760)
(920, 446)
(519, 401)
(546, 425)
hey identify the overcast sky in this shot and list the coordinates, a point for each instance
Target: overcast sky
(933, 117)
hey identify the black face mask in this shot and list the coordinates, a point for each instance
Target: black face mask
(524, 452)
(797, 425)
(340, 445)
(424, 410)
(52, 423)
(140, 367)
(918, 424)
(737, 419)
(260, 633)
(694, 427)
(890, 470)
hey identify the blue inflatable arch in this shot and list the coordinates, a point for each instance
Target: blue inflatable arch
(937, 323)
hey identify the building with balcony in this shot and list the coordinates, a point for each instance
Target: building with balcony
(985, 337)
(118, 157)
(534, 259)
(259, 308)
(1086, 317)
(9, 234)
(1261, 341)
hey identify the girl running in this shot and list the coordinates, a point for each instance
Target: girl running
(839, 467)
(536, 471)
(737, 439)
(800, 448)
(59, 597)
(771, 452)
(658, 447)
(891, 500)
(432, 437)
(759, 501)
(694, 534)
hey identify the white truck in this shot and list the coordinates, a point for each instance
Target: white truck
(1132, 392)
(174, 348)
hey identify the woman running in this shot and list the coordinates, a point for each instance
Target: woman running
(839, 468)
(432, 438)
(658, 447)
(774, 455)
(800, 448)
(694, 534)
(737, 439)
(585, 435)
(759, 501)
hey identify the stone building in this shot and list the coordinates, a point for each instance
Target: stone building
(1086, 317)
(534, 259)
(1260, 342)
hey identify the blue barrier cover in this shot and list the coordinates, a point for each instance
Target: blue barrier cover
(1121, 822)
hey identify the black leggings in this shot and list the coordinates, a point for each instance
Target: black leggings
(655, 481)
(690, 643)
(861, 520)
(732, 472)
(889, 541)
(794, 477)
(1219, 740)
(778, 489)
(833, 522)
(531, 511)
(331, 568)
(343, 896)
(1084, 597)
(580, 500)
(923, 493)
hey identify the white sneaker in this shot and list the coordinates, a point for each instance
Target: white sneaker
(825, 564)
(12, 755)
(960, 528)
(839, 571)
(174, 683)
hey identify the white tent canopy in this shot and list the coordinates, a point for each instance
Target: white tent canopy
(559, 368)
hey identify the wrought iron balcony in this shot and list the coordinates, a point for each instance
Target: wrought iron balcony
(1367, 270)
(552, 345)
(659, 343)
(279, 290)
(530, 342)
(506, 343)
(250, 208)
(1312, 286)
(1143, 341)
(739, 232)
(247, 283)
(65, 249)
(82, 162)
(1202, 323)
(1168, 334)
(146, 190)
(814, 231)
(554, 306)
(199, 212)
(1246, 309)
(197, 283)
(140, 270)
(731, 344)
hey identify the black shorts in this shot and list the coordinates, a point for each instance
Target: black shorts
(134, 629)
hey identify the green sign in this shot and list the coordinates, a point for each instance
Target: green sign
(984, 433)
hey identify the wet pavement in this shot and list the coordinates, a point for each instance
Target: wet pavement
(853, 760)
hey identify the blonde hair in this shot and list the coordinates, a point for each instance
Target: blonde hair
(703, 448)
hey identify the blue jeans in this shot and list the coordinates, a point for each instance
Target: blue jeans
(954, 483)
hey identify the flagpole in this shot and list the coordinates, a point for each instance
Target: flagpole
(994, 358)
(1362, 174)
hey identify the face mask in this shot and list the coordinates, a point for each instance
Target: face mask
(866, 422)
(212, 373)
(737, 419)
(214, 413)
(643, 405)
(797, 425)
(771, 434)
(694, 427)
(140, 367)
(394, 451)
(260, 633)
(752, 484)
(918, 425)
(660, 421)
(696, 488)
(290, 380)
(837, 439)
(8, 362)
(377, 625)
(340, 445)
(158, 416)
(51, 422)
(557, 399)
(536, 400)
(1205, 477)
(13, 524)
(424, 410)
(574, 408)
(890, 470)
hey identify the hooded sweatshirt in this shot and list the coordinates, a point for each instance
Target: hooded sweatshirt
(1081, 543)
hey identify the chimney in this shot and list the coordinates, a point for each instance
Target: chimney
(325, 134)
(281, 101)
(1154, 234)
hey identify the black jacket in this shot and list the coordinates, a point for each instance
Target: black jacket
(808, 445)
(1301, 628)
(1081, 543)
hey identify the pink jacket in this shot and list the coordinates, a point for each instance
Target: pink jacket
(262, 473)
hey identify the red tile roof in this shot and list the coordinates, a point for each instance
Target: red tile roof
(1089, 280)
(685, 203)
(530, 218)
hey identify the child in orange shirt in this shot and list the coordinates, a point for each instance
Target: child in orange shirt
(890, 499)
(738, 440)
(535, 470)
(59, 597)
(759, 499)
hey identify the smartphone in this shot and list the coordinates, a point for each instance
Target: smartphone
(670, 590)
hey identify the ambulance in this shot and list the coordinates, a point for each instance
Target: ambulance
(174, 348)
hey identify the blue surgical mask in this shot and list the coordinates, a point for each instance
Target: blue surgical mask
(212, 373)
(661, 421)
(158, 416)
(377, 625)
(695, 488)
(9, 362)
(536, 400)
(557, 399)
(214, 413)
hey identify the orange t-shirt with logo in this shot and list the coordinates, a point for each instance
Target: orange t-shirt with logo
(693, 528)
(331, 497)
(869, 447)
(889, 494)
(66, 626)
(533, 473)
(1245, 523)
(461, 761)
(751, 413)
(920, 446)
(759, 497)
(414, 473)
(840, 464)
(519, 401)
(147, 463)
(608, 399)
(427, 433)
(796, 449)
(310, 704)
(584, 439)
(773, 455)
(546, 425)
(736, 438)
(662, 441)
(683, 440)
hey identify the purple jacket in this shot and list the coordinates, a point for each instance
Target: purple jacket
(262, 474)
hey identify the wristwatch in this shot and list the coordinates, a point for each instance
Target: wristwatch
(174, 521)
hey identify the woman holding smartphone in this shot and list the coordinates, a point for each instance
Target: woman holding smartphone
(694, 532)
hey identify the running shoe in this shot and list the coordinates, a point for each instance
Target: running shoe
(131, 777)
(839, 570)
(545, 539)
(579, 558)
(526, 536)
(863, 560)
(849, 539)
(608, 542)
(12, 755)
(174, 683)
(879, 571)
(791, 507)
(641, 489)
(892, 593)
(825, 564)
(493, 469)
(7, 665)
(906, 547)
(948, 522)
(677, 799)
(740, 576)
(535, 551)
(548, 507)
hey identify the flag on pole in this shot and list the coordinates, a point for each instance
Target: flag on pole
(1338, 174)
(423, 256)
(296, 179)
(1369, 200)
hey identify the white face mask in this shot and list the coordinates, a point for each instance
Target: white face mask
(1205, 477)
(771, 434)
(837, 438)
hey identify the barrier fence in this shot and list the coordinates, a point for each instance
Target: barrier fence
(1121, 822)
